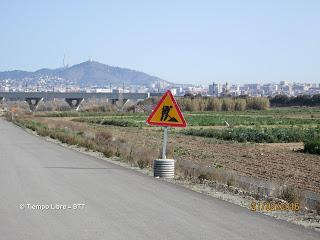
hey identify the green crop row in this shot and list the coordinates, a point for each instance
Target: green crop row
(120, 122)
(203, 120)
(86, 114)
(219, 120)
(258, 135)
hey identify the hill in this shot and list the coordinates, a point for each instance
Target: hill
(89, 73)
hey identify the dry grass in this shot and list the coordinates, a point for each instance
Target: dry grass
(317, 208)
(97, 139)
(289, 194)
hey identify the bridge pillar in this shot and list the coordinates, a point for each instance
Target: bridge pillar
(74, 102)
(33, 102)
(113, 101)
(123, 101)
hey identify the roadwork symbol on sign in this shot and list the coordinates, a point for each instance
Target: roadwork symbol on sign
(167, 113)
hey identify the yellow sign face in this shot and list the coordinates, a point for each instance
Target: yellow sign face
(167, 113)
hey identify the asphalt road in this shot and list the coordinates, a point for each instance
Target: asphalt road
(119, 203)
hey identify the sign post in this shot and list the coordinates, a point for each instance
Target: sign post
(165, 140)
(166, 114)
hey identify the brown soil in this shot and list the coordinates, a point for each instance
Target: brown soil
(281, 162)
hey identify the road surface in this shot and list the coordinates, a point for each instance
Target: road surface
(119, 203)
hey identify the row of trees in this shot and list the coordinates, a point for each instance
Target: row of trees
(302, 100)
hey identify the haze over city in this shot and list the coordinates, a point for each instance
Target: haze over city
(182, 41)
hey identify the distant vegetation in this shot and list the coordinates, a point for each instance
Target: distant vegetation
(227, 104)
(222, 104)
(302, 100)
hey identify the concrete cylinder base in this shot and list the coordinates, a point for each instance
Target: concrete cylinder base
(163, 168)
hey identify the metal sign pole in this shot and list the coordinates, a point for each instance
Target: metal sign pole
(165, 139)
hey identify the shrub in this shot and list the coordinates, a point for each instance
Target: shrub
(100, 108)
(317, 208)
(143, 163)
(107, 152)
(301, 100)
(190, 105)
(203, 177)
(217, 105)
(202, 104)
(289, 194)
(258, 103)
(169, 151)
(312, 146)
(228, 104)
(209, 106)
(143, 157)
(240, 104)
(103, 137)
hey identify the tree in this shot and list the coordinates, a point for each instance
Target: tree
(279, 100)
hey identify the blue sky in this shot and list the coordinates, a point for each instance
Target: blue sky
(180, 41)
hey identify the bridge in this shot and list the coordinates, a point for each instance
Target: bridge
(74, 99)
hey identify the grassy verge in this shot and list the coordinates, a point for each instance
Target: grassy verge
(97, 140)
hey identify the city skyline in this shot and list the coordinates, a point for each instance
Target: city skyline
(66, 64)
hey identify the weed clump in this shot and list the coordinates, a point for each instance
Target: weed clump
(103, 137)
(289, 194)
(203, 177)
(312, 146)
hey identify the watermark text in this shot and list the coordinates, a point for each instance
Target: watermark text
(52, 206)
(272, 206)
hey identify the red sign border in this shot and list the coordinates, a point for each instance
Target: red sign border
(183, 124)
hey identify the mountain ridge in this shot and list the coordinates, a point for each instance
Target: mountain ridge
(87, 74)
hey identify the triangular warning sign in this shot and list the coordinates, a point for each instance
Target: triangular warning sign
(167, 113)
